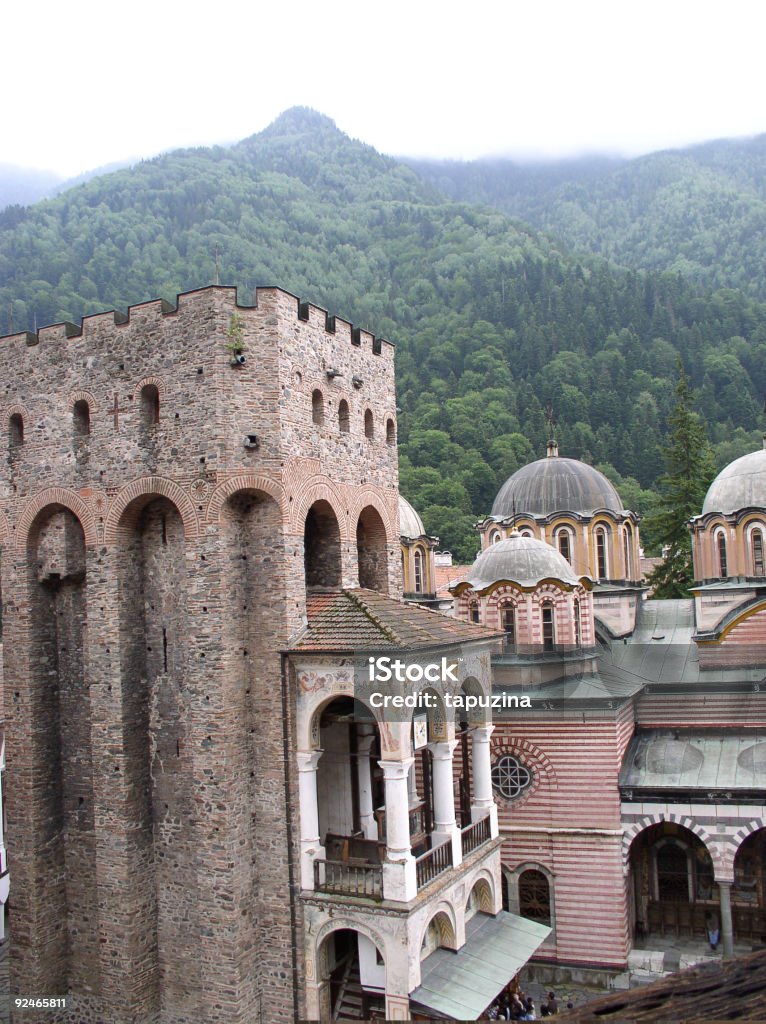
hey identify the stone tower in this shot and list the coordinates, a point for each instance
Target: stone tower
(173, 482)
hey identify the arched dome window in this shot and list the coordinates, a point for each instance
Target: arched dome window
(756, 552)
(474, 611)
(602, 560)
(494, 537)
(627, 544)
(548, 625)
(418, 571)
(564, 543)
(720, 547)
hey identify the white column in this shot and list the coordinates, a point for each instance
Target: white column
(399, 878)
(311, 847)
(727, 929)
(483, 801)
(364, 780)
(445, 826)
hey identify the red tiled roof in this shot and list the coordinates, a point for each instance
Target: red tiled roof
(448, 574)
(352, 620)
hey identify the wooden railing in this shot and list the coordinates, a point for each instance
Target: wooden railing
(349, 879)
(433, 863)
(475, 835)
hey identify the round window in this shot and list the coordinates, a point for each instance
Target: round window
(509, 777)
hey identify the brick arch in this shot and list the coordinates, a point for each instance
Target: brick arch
(64, 498)
(5, 529)
(320, 489)
(158, 382)
(150, 487)
(83, 396)
(648, 820)
(743, 833)
(19, 410)
(530, 756)
(245, 482)
(367, 497)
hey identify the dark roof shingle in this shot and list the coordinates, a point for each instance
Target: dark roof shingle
(353, 620)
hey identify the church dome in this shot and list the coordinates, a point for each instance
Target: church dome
(410, 523)
(741, 485)
(522, 560)
(555, 484)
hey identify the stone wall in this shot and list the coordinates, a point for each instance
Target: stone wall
(153, 506)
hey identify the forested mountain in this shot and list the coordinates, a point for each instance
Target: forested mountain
(492, 321)
(699, 211)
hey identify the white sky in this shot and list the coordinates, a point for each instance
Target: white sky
(88, 83)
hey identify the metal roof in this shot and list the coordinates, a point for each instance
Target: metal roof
(522, 560)
(741, 485)
(410, 523)
(460, 985)
(694, 759)
(555, 484)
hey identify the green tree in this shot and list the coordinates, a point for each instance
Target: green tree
(689, 469)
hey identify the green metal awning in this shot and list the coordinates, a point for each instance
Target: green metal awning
(460, 985)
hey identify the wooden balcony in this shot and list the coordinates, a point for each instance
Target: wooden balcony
(433, 863)
(475, 835)
(349, 878)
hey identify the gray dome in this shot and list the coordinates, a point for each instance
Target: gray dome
(522, 560)
(553, 485)
(741, 485)
(410, 523)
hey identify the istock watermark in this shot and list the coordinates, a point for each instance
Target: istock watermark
(393, 686)
(384, 670)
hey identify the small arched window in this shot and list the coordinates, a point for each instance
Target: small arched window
(720, 542)
(756, 547)
(577, 623)
(601, 554)
(535, 896)
(150, 405)
(475, 612)
(418, 571)
(369, 424)
(548, 624)
(565, 545)
(81, 419)
(390, 432)
(495, 537)
(317, 408)
(15, 431)
(344, 419)
(509, 623)
(627, 547)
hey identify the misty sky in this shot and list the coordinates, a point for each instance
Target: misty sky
(90, 83)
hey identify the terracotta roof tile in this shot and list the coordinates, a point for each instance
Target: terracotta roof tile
(352, 620)
(449, 574)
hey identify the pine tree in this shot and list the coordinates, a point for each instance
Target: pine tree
(689, 469)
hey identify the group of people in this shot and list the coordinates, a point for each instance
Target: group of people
(513, 1004)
